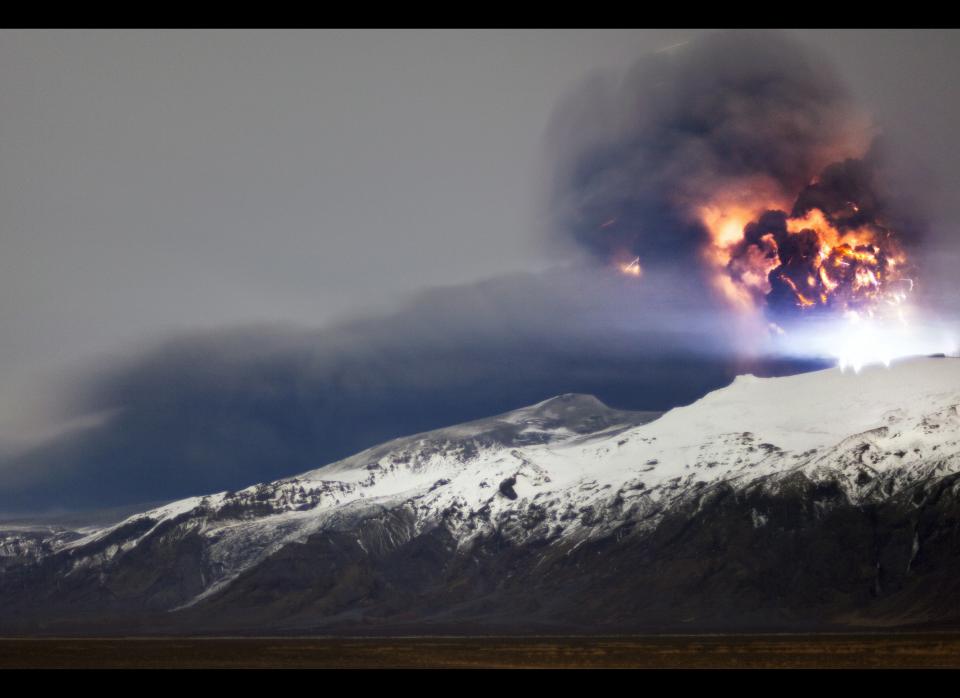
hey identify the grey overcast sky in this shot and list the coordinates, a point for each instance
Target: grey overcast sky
(217, 246)
(153, 181)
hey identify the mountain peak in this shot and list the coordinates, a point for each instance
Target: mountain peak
(567, 399)
(512, 511)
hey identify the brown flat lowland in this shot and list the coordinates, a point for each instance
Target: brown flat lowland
(712, 651)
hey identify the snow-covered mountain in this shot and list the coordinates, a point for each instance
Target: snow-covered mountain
(821, 499)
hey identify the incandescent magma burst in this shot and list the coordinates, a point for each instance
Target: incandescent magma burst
(743, 160)
(832, 251)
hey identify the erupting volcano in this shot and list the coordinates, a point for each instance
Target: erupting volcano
(743, 165)
(816, 258)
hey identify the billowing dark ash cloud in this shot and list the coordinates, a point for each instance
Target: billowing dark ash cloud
(729, 122)
(223, 410)
(727, 110)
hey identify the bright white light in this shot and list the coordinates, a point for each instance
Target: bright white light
(863, 342)
(856, 340)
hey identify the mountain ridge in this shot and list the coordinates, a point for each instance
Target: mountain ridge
(438, 529)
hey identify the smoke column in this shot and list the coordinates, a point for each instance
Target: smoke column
(742, 158)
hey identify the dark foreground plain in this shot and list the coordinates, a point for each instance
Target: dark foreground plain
(688, 651)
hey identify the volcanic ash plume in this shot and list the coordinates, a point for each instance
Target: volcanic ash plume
(832, 251)
(743, 158)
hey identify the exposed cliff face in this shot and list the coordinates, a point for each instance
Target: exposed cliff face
(812, 501)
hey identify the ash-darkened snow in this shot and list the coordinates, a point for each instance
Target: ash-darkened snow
(818, 500)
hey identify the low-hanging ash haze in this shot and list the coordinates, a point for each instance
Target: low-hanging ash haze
(232, 256)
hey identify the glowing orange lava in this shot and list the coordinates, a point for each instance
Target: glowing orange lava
(808, 259)
(632, 268)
